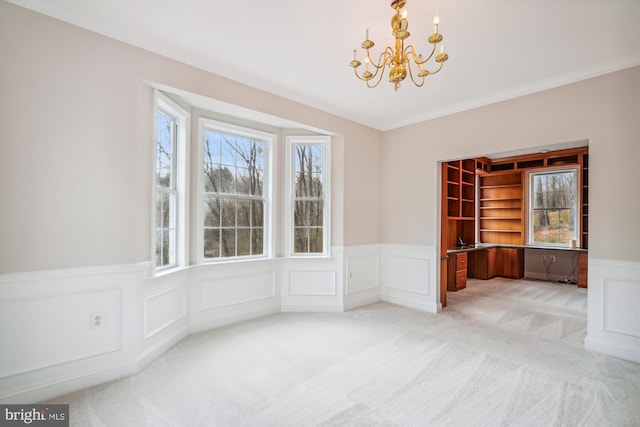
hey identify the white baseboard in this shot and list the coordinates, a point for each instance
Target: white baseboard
(329, 307)
(410, 302)
(625, 353)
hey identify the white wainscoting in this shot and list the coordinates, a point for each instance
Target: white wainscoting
(362, 275)
(48, 344)
(165, 313)
(49, 347)
(613, 322)
(409, 277)
(226, 293)
(313, 284)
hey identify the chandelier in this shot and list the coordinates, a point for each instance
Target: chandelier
(402, 58)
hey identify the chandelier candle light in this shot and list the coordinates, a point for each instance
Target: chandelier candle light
(398, 60)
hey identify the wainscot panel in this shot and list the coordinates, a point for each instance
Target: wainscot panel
(230, 292)
(409, 277)
(165, 312)
(613, 323)
(362, 275)
(313, 284)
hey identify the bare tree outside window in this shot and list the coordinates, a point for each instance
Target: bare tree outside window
(553, 207)
(165, 223)
(308, 203)
(234, 195)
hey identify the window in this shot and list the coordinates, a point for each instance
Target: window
(236, 191)
(308, 195)
(170, 179)
(553, 207)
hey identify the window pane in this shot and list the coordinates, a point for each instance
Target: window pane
(168, 249)
(211, 243)
(228, 150)
(243, 184)
(308, 213)
(228, 212)
(228, 242)
(244, 242)
(159, 209)
(211, 212)
(168, 211)
(212, 182)
(212, 147)
(301, 240)
(244, 213)
(257, 213)
(228, 180)
(164, 150)
(257, 241)
(159, 248)
(315, 240)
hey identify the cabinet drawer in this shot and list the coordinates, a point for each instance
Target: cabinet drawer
(461, 261)
(461, 279)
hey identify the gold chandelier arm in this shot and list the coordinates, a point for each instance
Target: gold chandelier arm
(379, 68)
(421, 75)
(369, 85)
(383, 59)
(416, 58)
(439, 68)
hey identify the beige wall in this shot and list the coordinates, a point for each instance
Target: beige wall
(75, 153)
(603, 110)
(75, 158)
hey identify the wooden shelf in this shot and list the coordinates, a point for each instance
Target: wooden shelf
(501, 217)
(501, 186)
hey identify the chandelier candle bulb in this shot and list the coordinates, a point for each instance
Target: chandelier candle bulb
(436, 21)
(366, 32)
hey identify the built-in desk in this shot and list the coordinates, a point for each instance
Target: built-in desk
(487, 260)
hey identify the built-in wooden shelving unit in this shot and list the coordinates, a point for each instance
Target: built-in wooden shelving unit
(460, 189)
(501, 208)
(584, 226)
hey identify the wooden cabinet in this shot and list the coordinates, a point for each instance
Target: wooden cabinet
(583, 270)
(482, 264)
(457, 274)
(496, 262)
(509, 262)
(502, 208)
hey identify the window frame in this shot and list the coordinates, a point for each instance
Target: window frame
(270, 140)
(291, 142)
(164, 104)
(530, 175)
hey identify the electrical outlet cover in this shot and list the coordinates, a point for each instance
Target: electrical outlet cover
(98, 321)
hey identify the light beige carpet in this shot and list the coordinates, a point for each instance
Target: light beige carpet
(503, 353)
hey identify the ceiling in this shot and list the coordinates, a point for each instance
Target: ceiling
(301, 49)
